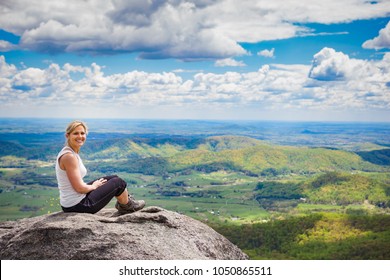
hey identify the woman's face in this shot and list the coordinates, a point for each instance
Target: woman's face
(77, 138)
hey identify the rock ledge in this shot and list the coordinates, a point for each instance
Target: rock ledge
(150, 234)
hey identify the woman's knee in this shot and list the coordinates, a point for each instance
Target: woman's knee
(120, 184)
(120, 181)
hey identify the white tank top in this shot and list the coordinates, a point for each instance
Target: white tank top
(68, 195)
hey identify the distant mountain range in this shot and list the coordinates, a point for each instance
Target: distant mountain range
(224, 152)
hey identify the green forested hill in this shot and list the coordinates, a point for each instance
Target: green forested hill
(346, 189)
(331, 188)
(325, 236)
(260, 157)
(230, 153)
(229, 142)
(236, 153)
(126, 148)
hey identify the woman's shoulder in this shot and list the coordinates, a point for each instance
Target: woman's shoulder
(67, 159)
(68, 155)
(66, 151)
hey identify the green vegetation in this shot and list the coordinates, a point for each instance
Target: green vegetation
(345, 189)
(315, 236)
(273, 201)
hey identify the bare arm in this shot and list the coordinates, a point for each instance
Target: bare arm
(70, 164)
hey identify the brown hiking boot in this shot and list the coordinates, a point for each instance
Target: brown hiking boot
(132, 206)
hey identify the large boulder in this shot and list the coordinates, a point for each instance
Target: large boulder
(152, 233)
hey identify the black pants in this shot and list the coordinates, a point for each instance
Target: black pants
(97, 199)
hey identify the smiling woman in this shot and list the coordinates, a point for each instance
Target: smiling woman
(76, 134)
(78, 196)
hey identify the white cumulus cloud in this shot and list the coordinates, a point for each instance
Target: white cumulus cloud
(6, 46)
(182, 29)
(267, 53)
(380, 42)
(334, 81)
(330, 65)
(229, 62)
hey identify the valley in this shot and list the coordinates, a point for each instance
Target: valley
(245, 176)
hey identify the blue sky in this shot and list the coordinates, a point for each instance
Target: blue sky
(206, 59)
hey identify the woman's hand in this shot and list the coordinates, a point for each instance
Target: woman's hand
(98, 183)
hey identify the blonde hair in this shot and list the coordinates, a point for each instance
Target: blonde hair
(72, 126)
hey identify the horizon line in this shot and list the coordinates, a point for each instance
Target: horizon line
(193, 119)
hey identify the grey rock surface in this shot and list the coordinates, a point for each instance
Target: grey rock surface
(150, 234)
